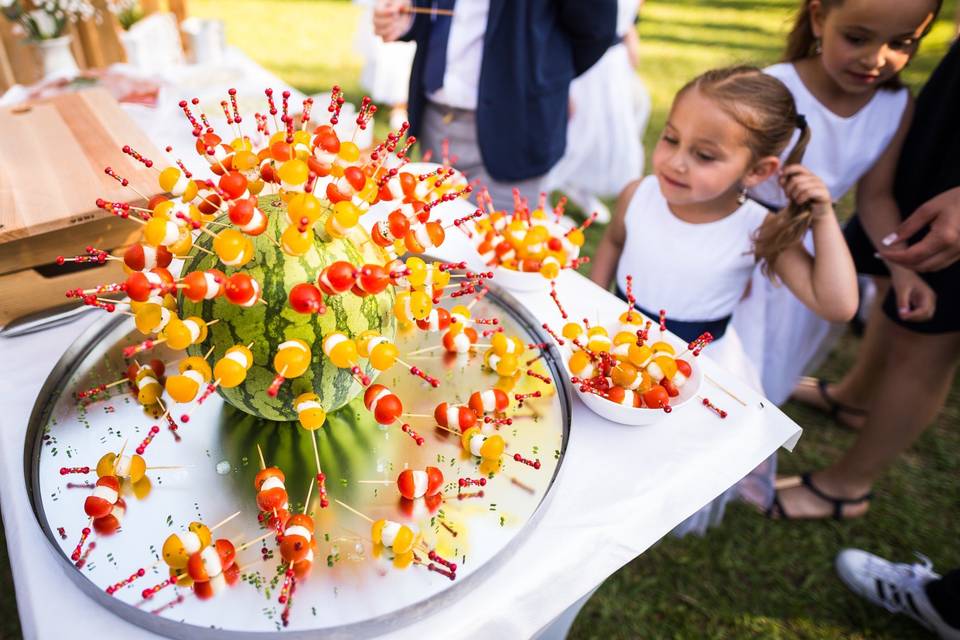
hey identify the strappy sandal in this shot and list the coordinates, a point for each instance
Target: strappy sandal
(835, 409)
(776, 511)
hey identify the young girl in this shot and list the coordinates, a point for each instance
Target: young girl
(842, 63)
(689, 237)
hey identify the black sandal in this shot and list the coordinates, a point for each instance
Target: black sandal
(776, 511)
(834, 407)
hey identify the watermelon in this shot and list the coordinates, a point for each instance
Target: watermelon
(268, 325)
(344, 445)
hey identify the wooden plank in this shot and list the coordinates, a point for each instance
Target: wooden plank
(23, 59)
(7, 79)
(28, 291)
(51, 174)
(89, 40)
(103, 232)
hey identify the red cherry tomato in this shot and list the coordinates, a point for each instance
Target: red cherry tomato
(281, 151)
(408, 182)
(239, 288)
(672, 390)
(210, 203)
(337, 277)
(234, 184)
(373, 278)
(656, 397)
(306, 298)
(241, 211)
(355, 177)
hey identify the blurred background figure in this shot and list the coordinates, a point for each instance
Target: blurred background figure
(386, 66)
(490, 81)
(609, 106)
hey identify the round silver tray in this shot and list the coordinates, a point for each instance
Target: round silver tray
(350, 593)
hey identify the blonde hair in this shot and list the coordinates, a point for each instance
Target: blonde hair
(765, 108)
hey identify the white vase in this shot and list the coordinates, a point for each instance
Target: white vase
(137, 49)
(57, 58)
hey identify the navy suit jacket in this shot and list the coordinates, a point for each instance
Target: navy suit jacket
(532, 49)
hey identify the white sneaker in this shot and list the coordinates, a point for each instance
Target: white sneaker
(897, 587)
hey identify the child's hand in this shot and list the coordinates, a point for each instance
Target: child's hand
(916, 301)
(804, 188)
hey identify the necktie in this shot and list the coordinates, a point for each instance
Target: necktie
(436, 62)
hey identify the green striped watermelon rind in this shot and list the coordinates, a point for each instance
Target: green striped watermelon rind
(267, 325)
(343, 446)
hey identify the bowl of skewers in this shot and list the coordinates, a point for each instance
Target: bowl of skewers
(631, 370)
(527, 249)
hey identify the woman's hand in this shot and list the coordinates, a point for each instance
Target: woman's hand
(940, 248)
(916, 301)
(803, 187)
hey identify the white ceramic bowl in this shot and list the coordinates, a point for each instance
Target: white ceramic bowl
(644, 416)
(520, 281)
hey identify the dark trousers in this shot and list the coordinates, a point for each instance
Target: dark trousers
(944, 595)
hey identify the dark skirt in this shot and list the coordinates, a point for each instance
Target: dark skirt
(929, 164)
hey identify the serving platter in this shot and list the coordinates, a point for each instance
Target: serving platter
(354, 589)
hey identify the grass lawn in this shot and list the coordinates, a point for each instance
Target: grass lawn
(751, 578)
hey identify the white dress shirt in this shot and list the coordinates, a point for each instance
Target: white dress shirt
(461, 77)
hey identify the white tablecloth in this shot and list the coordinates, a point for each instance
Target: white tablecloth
(620, 489)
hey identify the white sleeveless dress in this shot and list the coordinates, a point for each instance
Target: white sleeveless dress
(782, 337)
(696, 272)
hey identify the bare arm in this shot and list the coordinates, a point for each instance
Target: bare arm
(825, 283)
(880, 217)
(607, 255)
(877, 209)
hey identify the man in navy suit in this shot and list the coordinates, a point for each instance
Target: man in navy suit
(492, 79)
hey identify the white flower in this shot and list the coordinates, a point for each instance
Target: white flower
(46, 24)
(6, 4)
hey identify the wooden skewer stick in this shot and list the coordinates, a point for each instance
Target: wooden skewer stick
(724, 389)
(316, 454)
(263, 464)
(373, 481)
(255, 541)
(224, 521)
(453, 431)
(306, 503)
(428, 11)
(116, 461)
(349, 508)
(424, 350)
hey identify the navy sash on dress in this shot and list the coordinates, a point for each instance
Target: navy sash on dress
(687, 330)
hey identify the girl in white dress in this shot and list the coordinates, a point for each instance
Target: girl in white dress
(856, 106)
(610, 107)
(690, 239)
